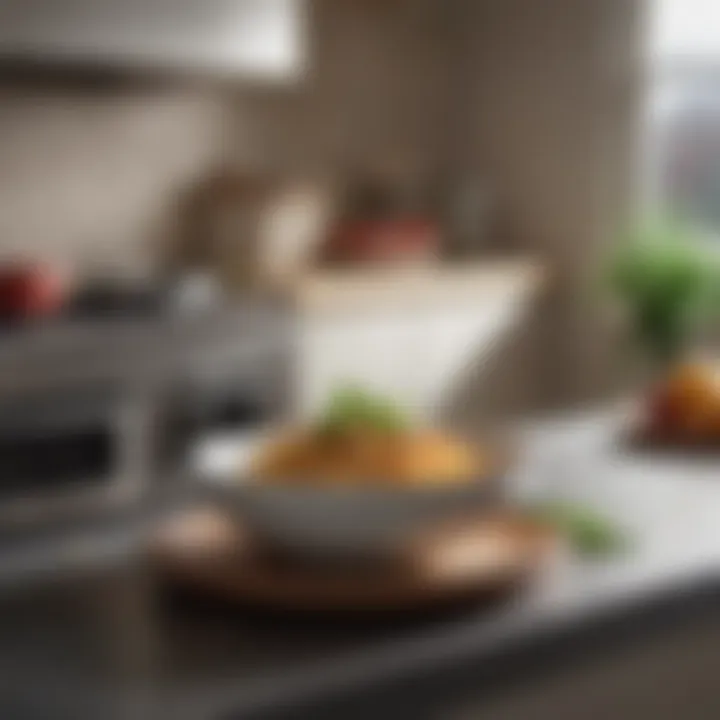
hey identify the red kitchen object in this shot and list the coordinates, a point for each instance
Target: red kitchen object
(30, 291)
(384, 240)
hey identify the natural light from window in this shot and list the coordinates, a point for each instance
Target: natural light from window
(686, 29)
(683, 130)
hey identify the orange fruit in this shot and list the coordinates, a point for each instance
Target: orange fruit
(692, 400)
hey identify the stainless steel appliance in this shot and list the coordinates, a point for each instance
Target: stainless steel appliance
(93, 415)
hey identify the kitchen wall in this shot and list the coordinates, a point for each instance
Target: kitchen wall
(540, 98)
(89, 171)
(552, 96)
(92, 167)
(371, 96)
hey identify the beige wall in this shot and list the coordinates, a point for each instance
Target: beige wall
(552, 97)
(90, 169)
(89, 173)
(370, 96)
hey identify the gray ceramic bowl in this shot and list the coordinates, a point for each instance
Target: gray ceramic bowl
(330, 521)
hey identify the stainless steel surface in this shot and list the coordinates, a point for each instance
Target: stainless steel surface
(138, 351)
(130, 372)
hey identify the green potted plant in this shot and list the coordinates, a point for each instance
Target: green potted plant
(667, 283)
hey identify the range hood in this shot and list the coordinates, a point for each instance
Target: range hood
(257, 38)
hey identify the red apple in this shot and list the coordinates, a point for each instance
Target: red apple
(30, 291)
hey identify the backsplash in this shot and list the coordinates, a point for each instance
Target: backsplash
(91, 175)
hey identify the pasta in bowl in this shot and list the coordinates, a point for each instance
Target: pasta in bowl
(416, 459)
(356, 481)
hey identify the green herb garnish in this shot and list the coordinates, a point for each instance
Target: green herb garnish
(352, 408)
(589, 533)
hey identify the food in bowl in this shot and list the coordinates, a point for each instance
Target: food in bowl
(362, 439)
(357, 482)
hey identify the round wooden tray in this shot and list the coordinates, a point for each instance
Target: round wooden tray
(473, 558)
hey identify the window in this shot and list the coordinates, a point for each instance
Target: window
(684, 113)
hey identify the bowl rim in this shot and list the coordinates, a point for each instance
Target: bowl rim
(239, 481)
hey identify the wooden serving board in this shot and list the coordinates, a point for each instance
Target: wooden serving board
(473, 558)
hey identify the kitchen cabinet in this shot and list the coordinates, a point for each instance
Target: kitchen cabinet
(256, 38)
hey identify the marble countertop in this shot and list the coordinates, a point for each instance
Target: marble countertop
(194, 661)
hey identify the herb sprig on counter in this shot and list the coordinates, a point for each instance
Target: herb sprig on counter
(589, 533)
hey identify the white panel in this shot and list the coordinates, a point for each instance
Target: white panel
(419, 356)
(245, 36)
(463, 340)
(374, 351)
(686, 28)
